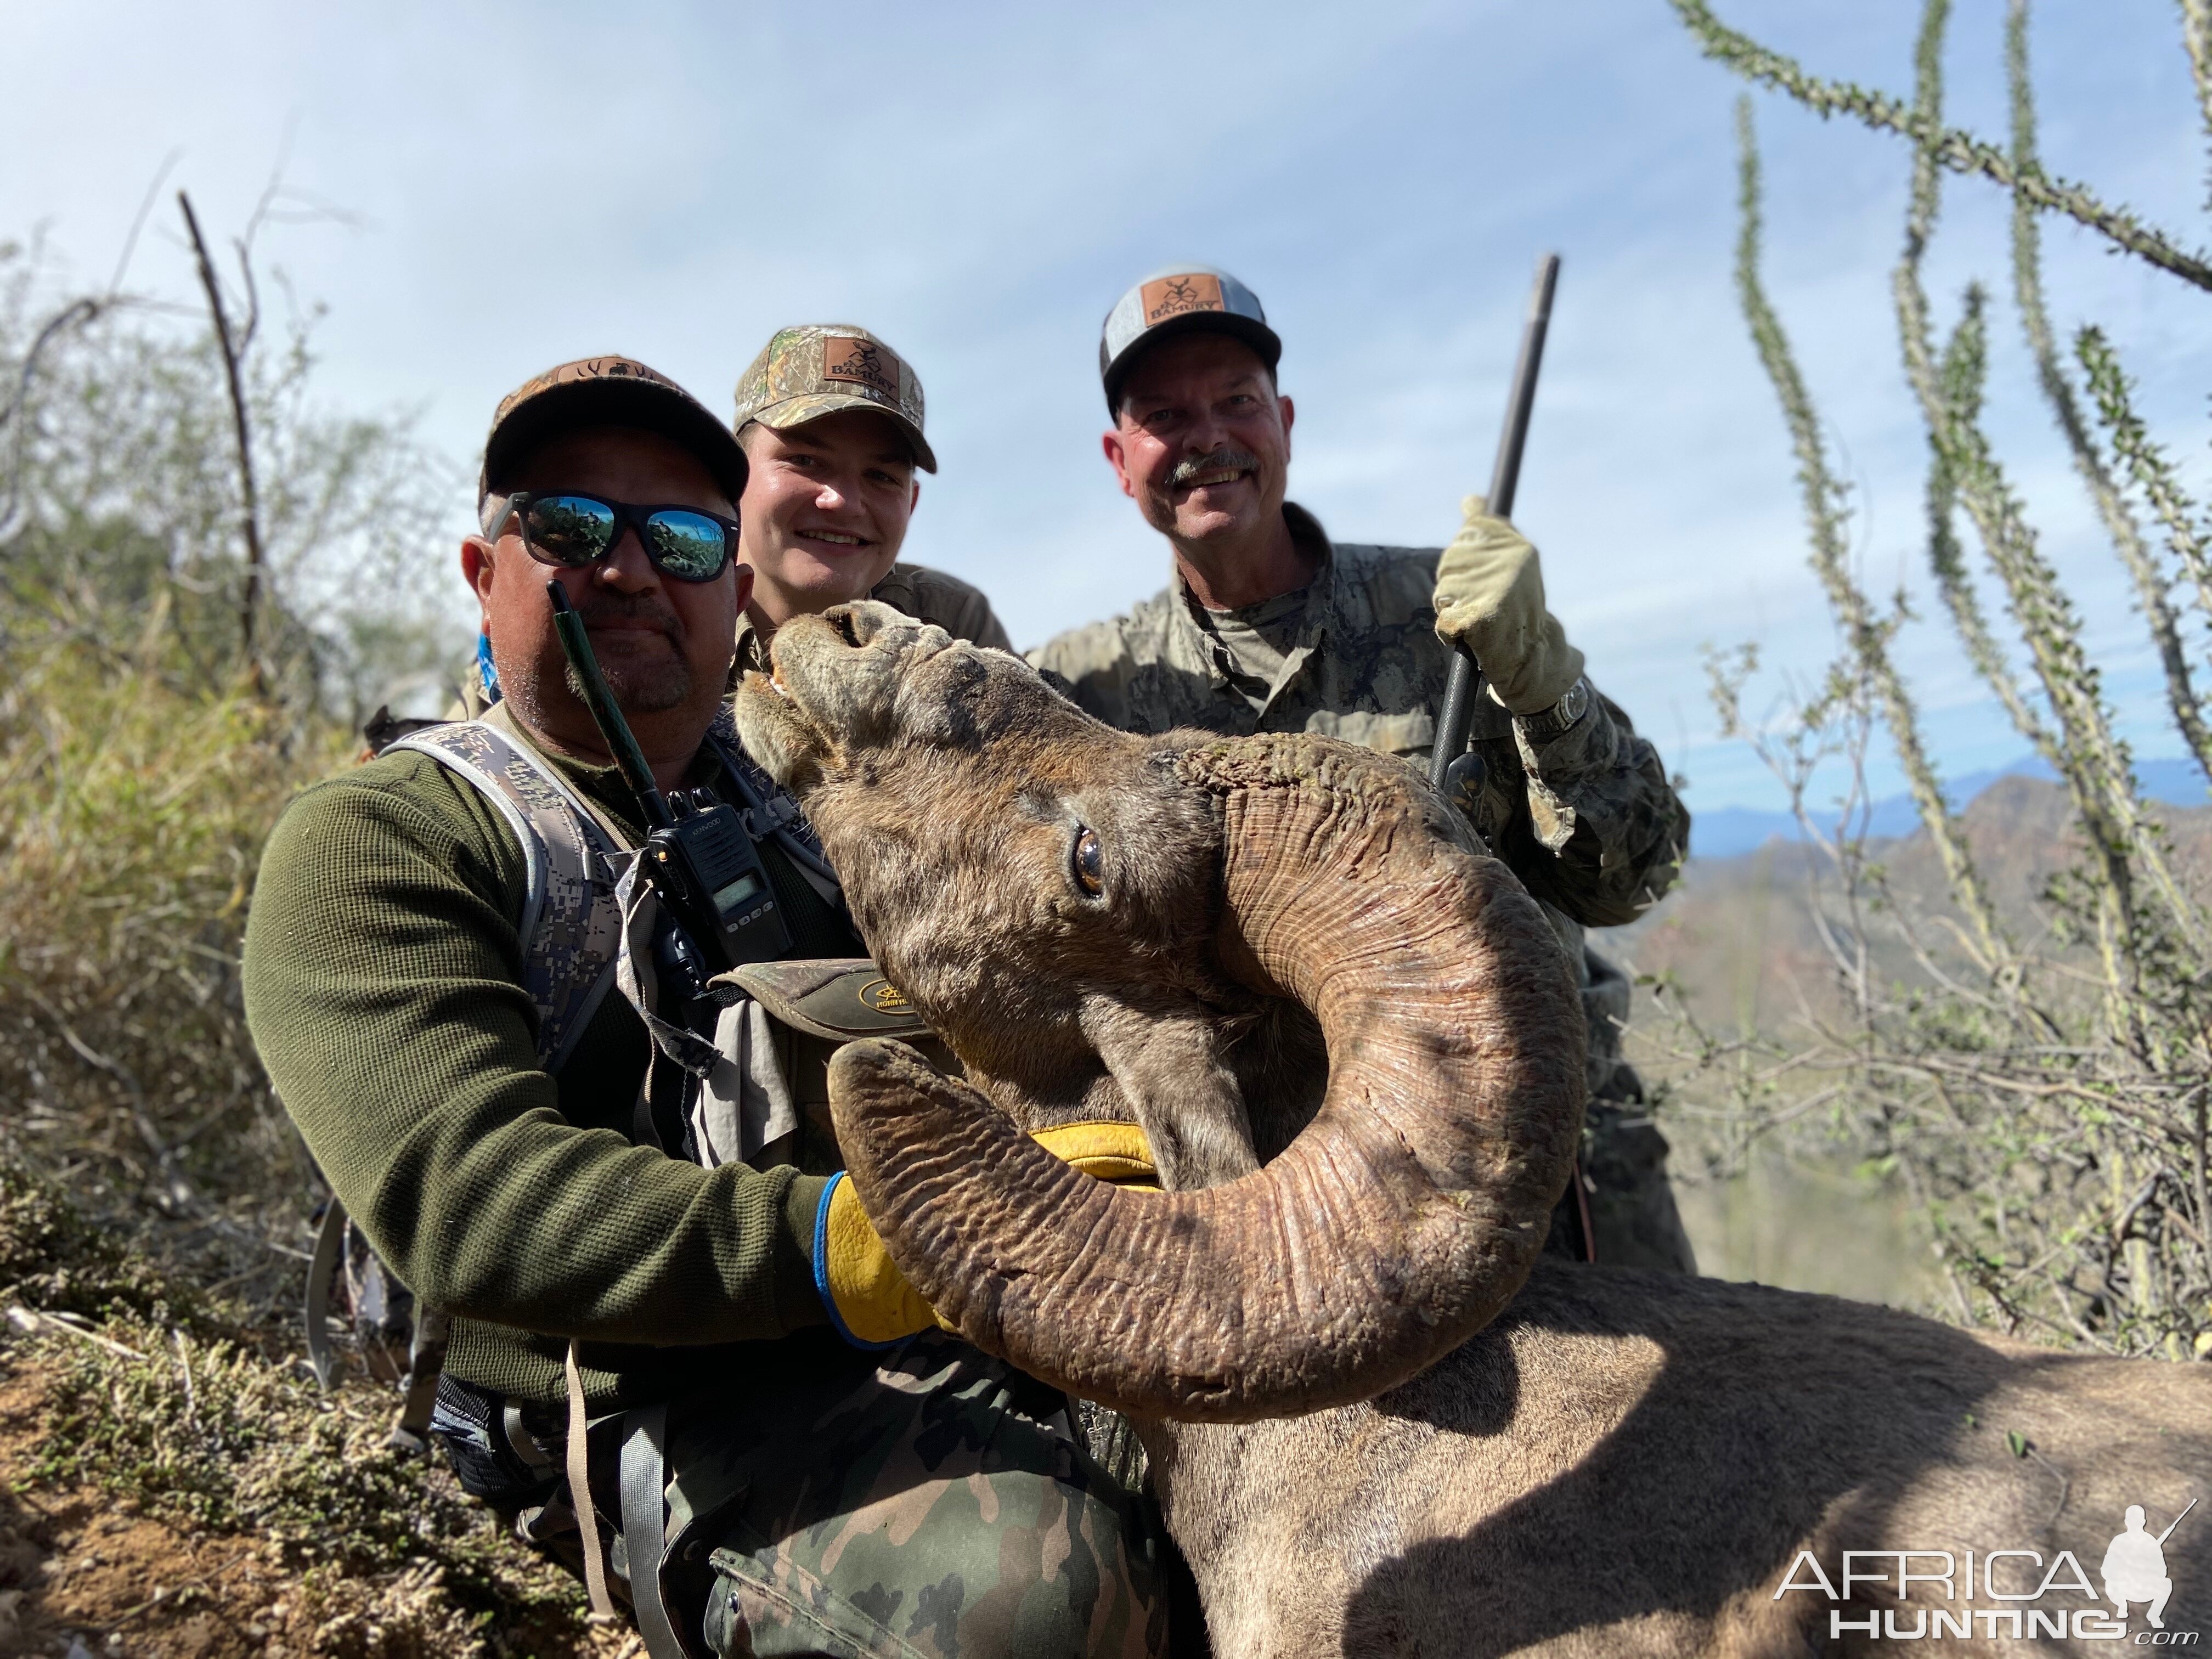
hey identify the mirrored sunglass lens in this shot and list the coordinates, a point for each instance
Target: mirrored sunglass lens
(689, 545)
(571, 530)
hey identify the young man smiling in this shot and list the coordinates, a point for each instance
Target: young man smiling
(830, 419)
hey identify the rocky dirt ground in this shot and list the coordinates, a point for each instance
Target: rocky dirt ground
(86, 1574)
(172, 1484)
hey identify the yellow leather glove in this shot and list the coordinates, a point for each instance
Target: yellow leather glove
(1490, 598)
(869, 1299)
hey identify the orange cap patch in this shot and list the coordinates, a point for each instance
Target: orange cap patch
(1172, 296)
(862, 362)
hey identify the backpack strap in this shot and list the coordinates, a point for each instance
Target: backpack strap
(322, 1270)
(570, 930)
(770, 811)
(571, 924)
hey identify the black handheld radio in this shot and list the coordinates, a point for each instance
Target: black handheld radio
(698, 853)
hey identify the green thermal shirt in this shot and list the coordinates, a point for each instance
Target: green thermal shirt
(383, 984)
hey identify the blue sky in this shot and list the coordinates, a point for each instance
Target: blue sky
(977, 183)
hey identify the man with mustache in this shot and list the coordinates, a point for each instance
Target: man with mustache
(830, 418)
(1269, 626)
(656, 1337)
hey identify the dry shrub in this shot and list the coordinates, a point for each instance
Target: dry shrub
(132, 818)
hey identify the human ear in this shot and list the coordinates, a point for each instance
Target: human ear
(477, 567)
(1117, 458)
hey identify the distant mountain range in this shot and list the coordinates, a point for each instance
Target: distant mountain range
(1725, 831)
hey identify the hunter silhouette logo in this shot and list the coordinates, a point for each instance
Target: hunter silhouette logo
(2134, 1566)
(862, 361)
(1928, 1594)
(1174, 297)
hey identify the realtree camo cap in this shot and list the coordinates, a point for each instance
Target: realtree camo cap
(1177, 300)
(606, 391)
(818, 368)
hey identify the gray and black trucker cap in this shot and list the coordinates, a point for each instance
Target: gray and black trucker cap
(1176, 300)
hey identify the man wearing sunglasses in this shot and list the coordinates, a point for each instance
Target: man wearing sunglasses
(460, 1008)
(830, 418)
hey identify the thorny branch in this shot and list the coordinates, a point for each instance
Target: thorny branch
(1951, 148)
(2044, 1104)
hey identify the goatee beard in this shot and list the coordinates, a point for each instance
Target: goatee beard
(653, 691)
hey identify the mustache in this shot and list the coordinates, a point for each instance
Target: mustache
(1225, 459)
(632, 607)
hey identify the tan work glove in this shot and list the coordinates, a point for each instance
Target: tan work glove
(1490, 598)
(869, 1300)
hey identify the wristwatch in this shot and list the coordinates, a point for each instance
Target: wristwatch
(1559, 719)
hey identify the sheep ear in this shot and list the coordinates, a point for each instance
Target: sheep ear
(1189, 1104)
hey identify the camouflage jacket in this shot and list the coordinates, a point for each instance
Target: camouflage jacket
(1585, 816)
(931, 596)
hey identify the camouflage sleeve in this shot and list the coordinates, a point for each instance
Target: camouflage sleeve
(1092, 666)
(960, 608)
(972, 618)
(1586, 819)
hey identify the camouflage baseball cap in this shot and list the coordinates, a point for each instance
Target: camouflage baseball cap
(1176, 300)
(818, 368)
(606, 391)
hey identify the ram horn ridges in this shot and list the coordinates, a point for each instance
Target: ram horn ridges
(1401, 1221)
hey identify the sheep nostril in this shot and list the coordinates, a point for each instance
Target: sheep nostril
(846, 630)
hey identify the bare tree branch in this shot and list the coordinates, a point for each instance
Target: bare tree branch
(250, 516)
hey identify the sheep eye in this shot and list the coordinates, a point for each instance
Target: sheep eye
(1090, 863)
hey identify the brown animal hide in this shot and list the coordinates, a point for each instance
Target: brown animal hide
(1077, 912)
(1357, 1039)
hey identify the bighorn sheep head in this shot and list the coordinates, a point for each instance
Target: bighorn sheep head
(1093, 920)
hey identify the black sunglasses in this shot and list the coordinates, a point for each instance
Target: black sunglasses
(573, 531)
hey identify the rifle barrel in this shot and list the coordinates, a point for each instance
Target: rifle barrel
(1465, 681)
(621, 742)
(2176, 1521)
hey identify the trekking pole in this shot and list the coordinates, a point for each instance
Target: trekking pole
(1466, 680)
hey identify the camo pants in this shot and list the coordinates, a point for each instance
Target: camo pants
(926, 1503)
